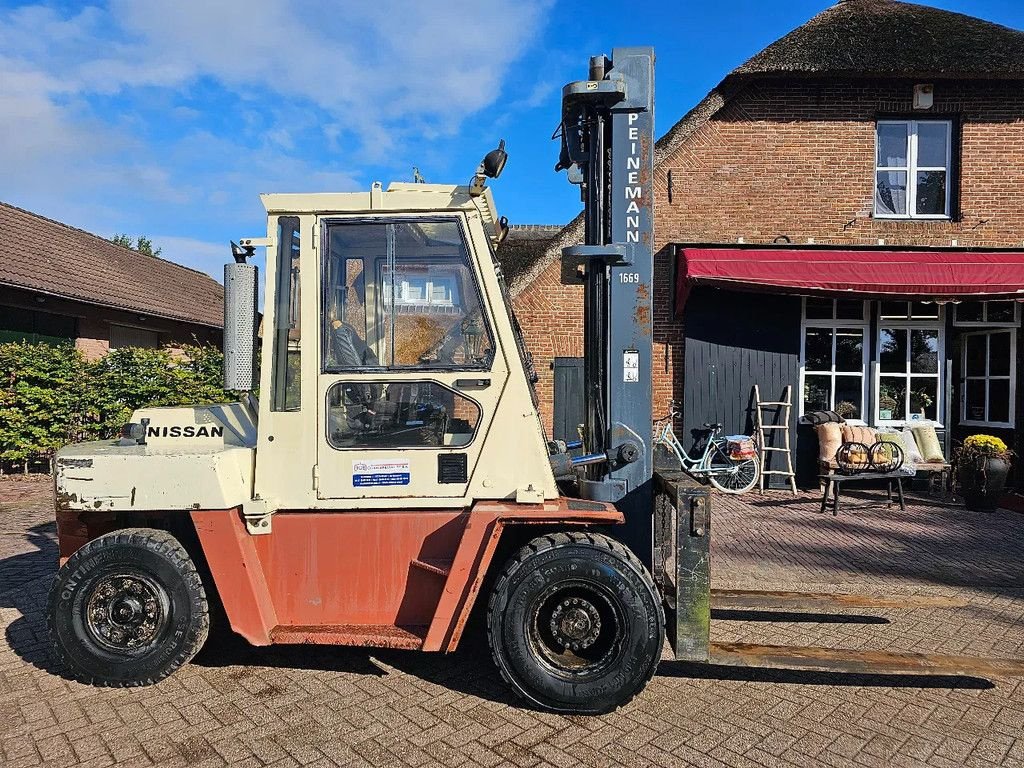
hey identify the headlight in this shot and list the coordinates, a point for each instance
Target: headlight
(133, 432)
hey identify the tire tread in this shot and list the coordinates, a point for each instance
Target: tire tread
(164, 544)
(552, 541)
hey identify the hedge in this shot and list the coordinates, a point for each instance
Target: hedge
(51, 395)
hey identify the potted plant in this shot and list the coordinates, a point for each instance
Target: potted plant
(982, 465)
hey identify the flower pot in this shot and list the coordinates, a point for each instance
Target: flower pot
(982, 482)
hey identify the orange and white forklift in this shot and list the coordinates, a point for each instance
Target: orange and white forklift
(393, 476)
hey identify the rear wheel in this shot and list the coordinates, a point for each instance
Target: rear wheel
(128, 608)
(575, 623)
(740, 476)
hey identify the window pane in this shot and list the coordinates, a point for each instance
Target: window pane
(352, 334)
(999, 354)
(892, 350)
(894, 309)
(976, 354)
(849, 349)
(817, 393)
(931, 145)
(849, 310)
(438, 318)
(923, 310)
(999, 400)
(931, 192)
(287, 331)
(892, 145)
(848, 396)
(891, 192)
(974, 400)
(969, 312)
(1000, 311)
(924, 351)
(924, 396)
(819, 349)
(892, 398)
(819, 309)
(367, 414)
(402, 295)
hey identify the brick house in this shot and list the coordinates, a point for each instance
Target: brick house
(58, 283)
(842, 214)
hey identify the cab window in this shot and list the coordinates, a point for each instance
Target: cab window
(401, 296)
(286, 386)
(416, 414)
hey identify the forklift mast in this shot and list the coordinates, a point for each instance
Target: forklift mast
(607, 136)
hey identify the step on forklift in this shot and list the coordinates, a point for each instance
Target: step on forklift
(394, 476)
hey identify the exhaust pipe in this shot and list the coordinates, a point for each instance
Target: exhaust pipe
(241, 282)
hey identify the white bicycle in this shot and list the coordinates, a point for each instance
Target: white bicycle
(715, 463)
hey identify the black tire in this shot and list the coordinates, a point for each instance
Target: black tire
(127, 609)
(616, 623)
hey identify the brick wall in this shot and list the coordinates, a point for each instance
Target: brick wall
(796, 158)
(93, 323)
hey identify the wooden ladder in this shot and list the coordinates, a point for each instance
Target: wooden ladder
(780, 422)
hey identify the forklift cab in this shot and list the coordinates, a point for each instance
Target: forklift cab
(394, 367)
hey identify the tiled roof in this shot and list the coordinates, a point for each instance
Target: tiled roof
(44, 255)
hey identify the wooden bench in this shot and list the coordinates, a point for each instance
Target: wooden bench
(833, 480)
(939, 474)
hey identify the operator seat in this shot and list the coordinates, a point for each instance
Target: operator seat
(348, 350)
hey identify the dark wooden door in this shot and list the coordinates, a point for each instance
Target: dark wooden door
(568, 403)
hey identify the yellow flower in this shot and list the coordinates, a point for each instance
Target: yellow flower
(985, 444)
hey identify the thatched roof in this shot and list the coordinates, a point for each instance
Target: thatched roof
(525, 244)
(887, 38)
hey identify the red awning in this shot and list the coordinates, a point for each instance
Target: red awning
(927, 273)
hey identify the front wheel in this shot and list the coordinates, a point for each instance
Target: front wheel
(128, 608)
(742, 474)
(575, 624)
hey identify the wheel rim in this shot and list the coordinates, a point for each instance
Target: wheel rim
(576, 629)
(744, 476)
(127, 613)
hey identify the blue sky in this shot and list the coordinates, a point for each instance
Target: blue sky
(168, 118)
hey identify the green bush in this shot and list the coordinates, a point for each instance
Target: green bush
(51, 395)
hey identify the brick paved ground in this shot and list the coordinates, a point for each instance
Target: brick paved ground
(239, 706)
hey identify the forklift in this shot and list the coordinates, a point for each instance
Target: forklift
(393, 478)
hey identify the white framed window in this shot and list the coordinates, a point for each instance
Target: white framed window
(912, 169)
(833, 357)
(428, 290)
(989, 378)
(910, 354)
(996, 314)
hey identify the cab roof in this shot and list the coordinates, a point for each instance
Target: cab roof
(398, 197)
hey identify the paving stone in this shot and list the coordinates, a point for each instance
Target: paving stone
(247, 708)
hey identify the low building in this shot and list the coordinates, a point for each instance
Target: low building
(59, 284)
(842, 215)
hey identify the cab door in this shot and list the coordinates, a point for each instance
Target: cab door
(411, 371)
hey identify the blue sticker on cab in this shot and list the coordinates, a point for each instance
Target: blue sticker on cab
(377, 472)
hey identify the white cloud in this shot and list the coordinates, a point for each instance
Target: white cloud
(107, 122)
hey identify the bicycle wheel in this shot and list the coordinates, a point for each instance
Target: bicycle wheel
(742, 476)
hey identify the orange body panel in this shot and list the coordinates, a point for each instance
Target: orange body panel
(397, 579)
